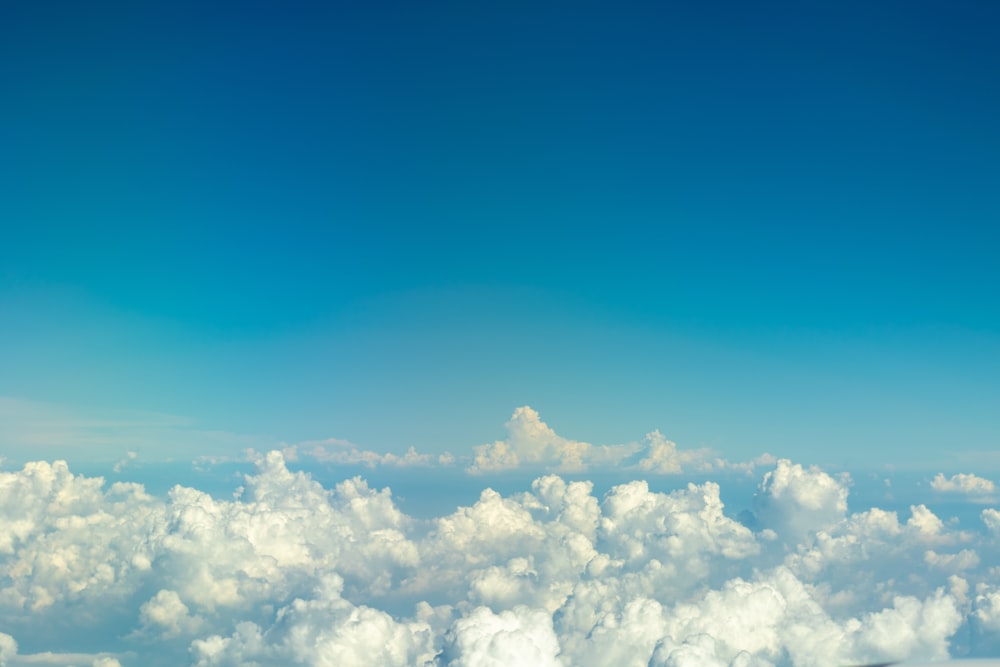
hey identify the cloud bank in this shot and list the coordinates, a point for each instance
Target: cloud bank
(289, 572)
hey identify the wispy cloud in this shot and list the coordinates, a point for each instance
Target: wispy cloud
(31, 429)
(342, 452)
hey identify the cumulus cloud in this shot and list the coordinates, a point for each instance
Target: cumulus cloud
(106, 661)
(323, 629)
(991, 518)
(966, 559)
(288, 571)
(166, 614)
(977, 488)
(796, 501)
(8, 648)
(519, 636)
(530, 442)
(662, 456)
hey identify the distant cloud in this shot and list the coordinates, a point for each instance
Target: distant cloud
(991, 518)
(123, 463)
(123, 437)
(966, 559)
(531, 443)
(664, 458)
(977, 488)
(343, 452)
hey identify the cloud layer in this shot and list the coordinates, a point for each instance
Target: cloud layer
(292, 573)
(289, 572)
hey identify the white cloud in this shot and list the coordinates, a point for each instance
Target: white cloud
(122, 437)
(106, 661)
(519, 636)
(68, 539)
(701, 651)
(977, 488)
(63, 660)
(323, 629)
(531, 443)
(775, 615)
(663, 457)
(292, 572)
(8, 648)
(795, 501)
(167, 615)
(991, 518)
(966, 559)
(123, 463)
(342, 452)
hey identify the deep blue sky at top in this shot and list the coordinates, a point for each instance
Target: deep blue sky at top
(752, 225)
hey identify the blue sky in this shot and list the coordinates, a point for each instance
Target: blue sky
(767, 227)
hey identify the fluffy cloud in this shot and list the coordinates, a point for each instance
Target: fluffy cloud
(166, 614)
(971, 485)
(67, 539)
(105, 661)
(289, 572)
(8, 648)
(520, 636)
(991, 518)
(530, 442)
(795, 501)
(663, 457)
(323, 630)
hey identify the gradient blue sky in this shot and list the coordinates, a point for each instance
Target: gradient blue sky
(754, 226)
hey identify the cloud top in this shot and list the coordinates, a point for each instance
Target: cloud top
(531, 443)
(965, 484)
(291, 572)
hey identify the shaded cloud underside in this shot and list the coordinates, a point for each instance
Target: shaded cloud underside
(293, 573)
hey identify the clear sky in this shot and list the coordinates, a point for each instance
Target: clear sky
(752, 226)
